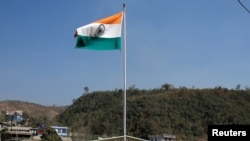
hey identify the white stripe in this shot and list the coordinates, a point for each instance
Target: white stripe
(111, 30)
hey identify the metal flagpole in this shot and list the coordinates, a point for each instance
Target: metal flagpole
(124, 86)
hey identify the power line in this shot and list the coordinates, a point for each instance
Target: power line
(244, 6)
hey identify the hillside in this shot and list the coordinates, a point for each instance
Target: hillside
(182, 112)
(31, 109)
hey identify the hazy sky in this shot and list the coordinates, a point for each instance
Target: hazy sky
(190, 43)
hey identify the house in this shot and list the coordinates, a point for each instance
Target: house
(61, 131)
(14, 116)
(162, 137)
(120, 138)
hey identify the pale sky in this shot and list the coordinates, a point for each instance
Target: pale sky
(187, 43)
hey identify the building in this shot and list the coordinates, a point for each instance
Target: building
(61, 131)
(17, 132)
(120, 138)
(162, 137)
(14, 116)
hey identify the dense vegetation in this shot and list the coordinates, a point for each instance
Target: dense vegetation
(182, 112)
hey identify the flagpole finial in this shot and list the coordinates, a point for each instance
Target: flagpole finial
(124, 5)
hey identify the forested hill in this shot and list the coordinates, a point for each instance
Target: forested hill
(182, 112)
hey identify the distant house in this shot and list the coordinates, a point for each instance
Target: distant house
(61, 131)
(120, 138)
(162, 137)
(14, 116)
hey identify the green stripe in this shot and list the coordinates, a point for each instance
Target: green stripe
(96, 43)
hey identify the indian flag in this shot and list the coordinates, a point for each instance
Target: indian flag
(103, 34)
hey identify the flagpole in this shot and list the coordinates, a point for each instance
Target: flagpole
(124, 86)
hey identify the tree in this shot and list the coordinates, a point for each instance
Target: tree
(74, 100)
(86, 89)
(50, 135)
(167, 86)
(237, 87)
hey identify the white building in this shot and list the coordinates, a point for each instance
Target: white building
(162, 137)
(61, 131)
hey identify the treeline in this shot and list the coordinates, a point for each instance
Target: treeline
(182, 112)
